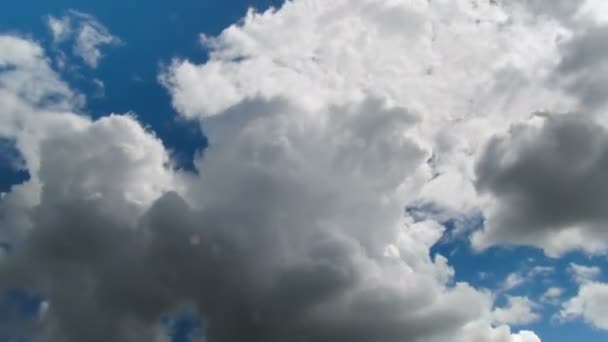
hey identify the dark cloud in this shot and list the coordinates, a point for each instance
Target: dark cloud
(546, 179)
(286, 250)
(584, 66)
(106, 282)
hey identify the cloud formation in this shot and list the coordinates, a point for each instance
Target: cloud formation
(300, 227)
(547, 185)
(589, 304)
(519, 311)
(325, 119)
(85, 31)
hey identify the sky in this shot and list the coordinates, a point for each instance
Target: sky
(353, 170)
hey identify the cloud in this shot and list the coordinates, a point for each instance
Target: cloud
(583, 67)
(416, 62)
(513, 280)
(552, 296)
(325, 119)
(519, 311)
(34, 102)
(86, 32)
(584, 274)
(294, 209)
(60, 28)
(589, 304)
(545, 182)
(516, 280)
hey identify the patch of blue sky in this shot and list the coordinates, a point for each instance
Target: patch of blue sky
(184, 326)
(17, 306)
(533, 271)
(11, 168)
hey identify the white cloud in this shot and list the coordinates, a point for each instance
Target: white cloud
(285, 99)
(594, 9)
(321, 117)
(519, 311)
(584, 274)
(552, 295)
(112, 163)
(100, 88)
(467, 71)
(60, 28)
(590, 304)
(517, 280)
(33, 101)
(87, 33)
(39, 113)
(317, 196)
(513, 281)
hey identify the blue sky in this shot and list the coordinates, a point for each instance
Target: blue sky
(154, 33)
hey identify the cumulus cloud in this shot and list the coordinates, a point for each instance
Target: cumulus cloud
(34, 102)
(546, 185)
(325, 119)
(583, 67)
(85, 31)
(589, 304)
(519, 311)
(294, 211)
(464, 91)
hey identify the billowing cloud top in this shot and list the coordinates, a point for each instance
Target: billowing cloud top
(325, 119)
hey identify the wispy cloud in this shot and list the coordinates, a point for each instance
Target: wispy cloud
(85, 31)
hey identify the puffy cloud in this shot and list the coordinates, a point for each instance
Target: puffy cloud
(112, 165)
(589, 304)
(294, 209)
(545, 181)
(327, 111)
(87, 33)
(519, 311)
(325, 119)
(579, 73)
(466, 70)
(583, 55)
(34, 101)
(283, 96)
(583, 67)
(300, 53)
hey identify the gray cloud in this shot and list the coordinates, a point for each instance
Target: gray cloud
(545, 181)
(584, 66)
(293, 226)
(582, 45)
(286, 249)
(285, 252)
